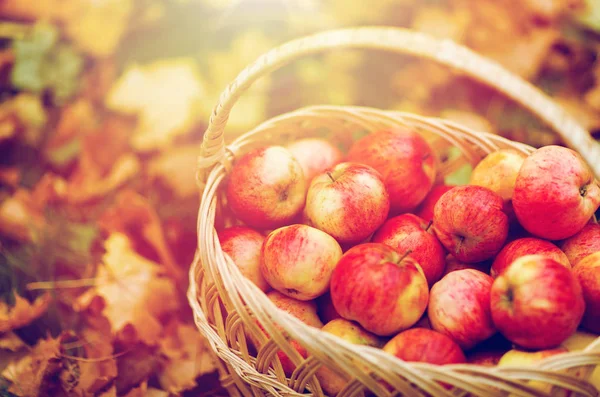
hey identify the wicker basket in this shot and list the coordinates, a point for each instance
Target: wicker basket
(227, 306)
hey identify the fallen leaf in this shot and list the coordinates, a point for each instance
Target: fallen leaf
(135, 290)
(188, 357)
(177, 169)
(99, 367)
(107, 19)
(10, 341)
(138, 363)
(22, 312)
(10, 176)
(133, 215)
(164, 95)
(124, 169)
(34, 372)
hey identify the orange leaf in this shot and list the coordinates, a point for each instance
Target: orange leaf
(133, 215)
(30, 373)
(189, 357)
(22, 313)
(134, 290)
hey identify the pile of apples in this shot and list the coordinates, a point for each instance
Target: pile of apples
(364, 245)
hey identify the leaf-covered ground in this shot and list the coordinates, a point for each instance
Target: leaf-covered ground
(103, 105)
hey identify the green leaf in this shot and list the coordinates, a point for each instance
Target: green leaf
(43, 63)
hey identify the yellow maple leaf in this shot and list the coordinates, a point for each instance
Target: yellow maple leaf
(99, 25)
(134, 290)
(164, 95)
(28, 373)
(188, 355)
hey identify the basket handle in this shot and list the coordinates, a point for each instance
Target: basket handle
(401, 41)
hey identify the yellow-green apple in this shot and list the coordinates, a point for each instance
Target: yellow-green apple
(470, 223)
(498, 172)
(381, 289)
(459, 307)
(266, 188)
(408, 232)
(453, 264)
(243, 245)
(425, 345)
(298, 261)
(404, 159)
(348, 202)
(537, 302)
(526, 246)
(425, 209)
(331, 381)
(325, 308)
(525, 358)
(306, 311)
(579, 341)
(555, 193)
(582, 244)
(587, 272)
(315, 155)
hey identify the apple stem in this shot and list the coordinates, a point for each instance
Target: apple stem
(429, 225)
(407, 253)
(426, 156)
(330, 176)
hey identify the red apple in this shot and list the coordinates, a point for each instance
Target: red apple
(582, 244)
(331, 381)
(243, 245)
(379, 288)
(527, 246)
(298, 261)
(425, 345)
(315, 155)
(425, 209)
(326, 310)
(498, 172)
(453, 264)
(587, 272)
(459, 306)
(266, 188)
(470, 223)
(555, 193)
(536, 302)
(349, 202)
(306, 311)
(404, 159)
(410, 233)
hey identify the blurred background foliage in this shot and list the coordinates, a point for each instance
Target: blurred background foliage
(103, 106)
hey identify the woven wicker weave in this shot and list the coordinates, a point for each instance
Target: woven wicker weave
(227, 306)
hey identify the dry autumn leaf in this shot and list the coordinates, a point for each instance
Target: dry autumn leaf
(107, 19)
(177, 169)
(99, 367)
(33, 372)
(10, 341)
(164, 95)
(188, 355)
(133, 215)
(22, 312)
(135, 290)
